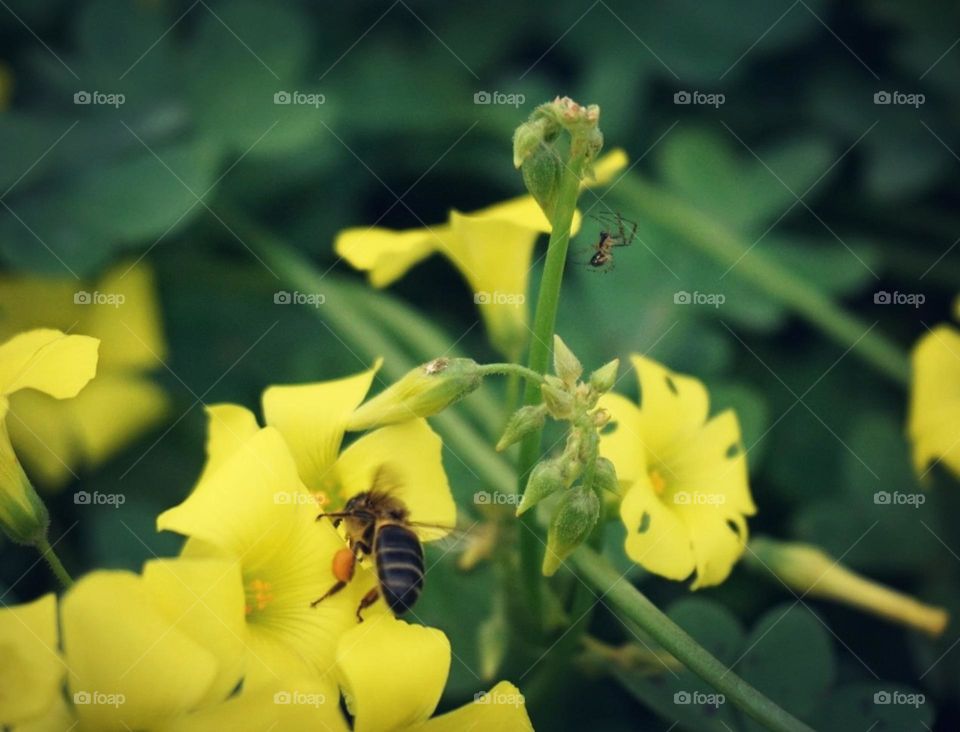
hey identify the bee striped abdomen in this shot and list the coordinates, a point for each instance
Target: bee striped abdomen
(399, 566)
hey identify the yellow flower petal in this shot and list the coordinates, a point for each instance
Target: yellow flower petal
(57, 438)
(502, 709)
(934, 419)
(672, 407)
(229, 426)
(23, 516)
(622, 442)
(131, 331)
(312, 419)
(302, 706)
(48, 361)
(657, 539)
(386, 254)
(716, 546)
(410, 453)
(607, 167)
(31, 670)
(392, 673)
(130, 666)
(204, 599)
(58, 717)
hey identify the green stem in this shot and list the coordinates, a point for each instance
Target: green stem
(779, 283)
(544, 322)
(50, 556)
(512, 369)
(631, 603)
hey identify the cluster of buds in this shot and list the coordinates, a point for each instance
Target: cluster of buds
(539, 148)
(578, 471)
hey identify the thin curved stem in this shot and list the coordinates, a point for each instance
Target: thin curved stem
(631, 603)
(56, 566)
(511, 369)
(544, 322)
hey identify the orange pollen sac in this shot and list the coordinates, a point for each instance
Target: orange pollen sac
(258, 596)
(658, 482)
(343, 565)
(321, 497)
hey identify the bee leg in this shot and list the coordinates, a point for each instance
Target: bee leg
(332, 591)
(367, 601)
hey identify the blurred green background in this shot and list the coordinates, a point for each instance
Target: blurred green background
(800, 161)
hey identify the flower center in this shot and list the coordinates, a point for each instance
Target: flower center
(658, 482)
(258, 595)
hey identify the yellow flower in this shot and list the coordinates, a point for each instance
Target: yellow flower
(393, 673)
(159, 651)
(38, 361)
(492, 248)
(56, 438)
(31, 670)
(257, 502)
(685, 477)
(934, 418)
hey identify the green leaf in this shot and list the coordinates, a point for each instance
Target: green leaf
(885, 706)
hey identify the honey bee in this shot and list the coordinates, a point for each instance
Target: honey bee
(615, 232)
(377, 525)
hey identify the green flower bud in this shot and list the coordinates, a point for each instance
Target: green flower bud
(541, 175)
(603, 379)
(573, 521)
(522, 422)
(422, 392)
(810, 570)
(605, 477)
(558, 400)
(565, 365)
(530, 137)
(546, 478)
(23, 516)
